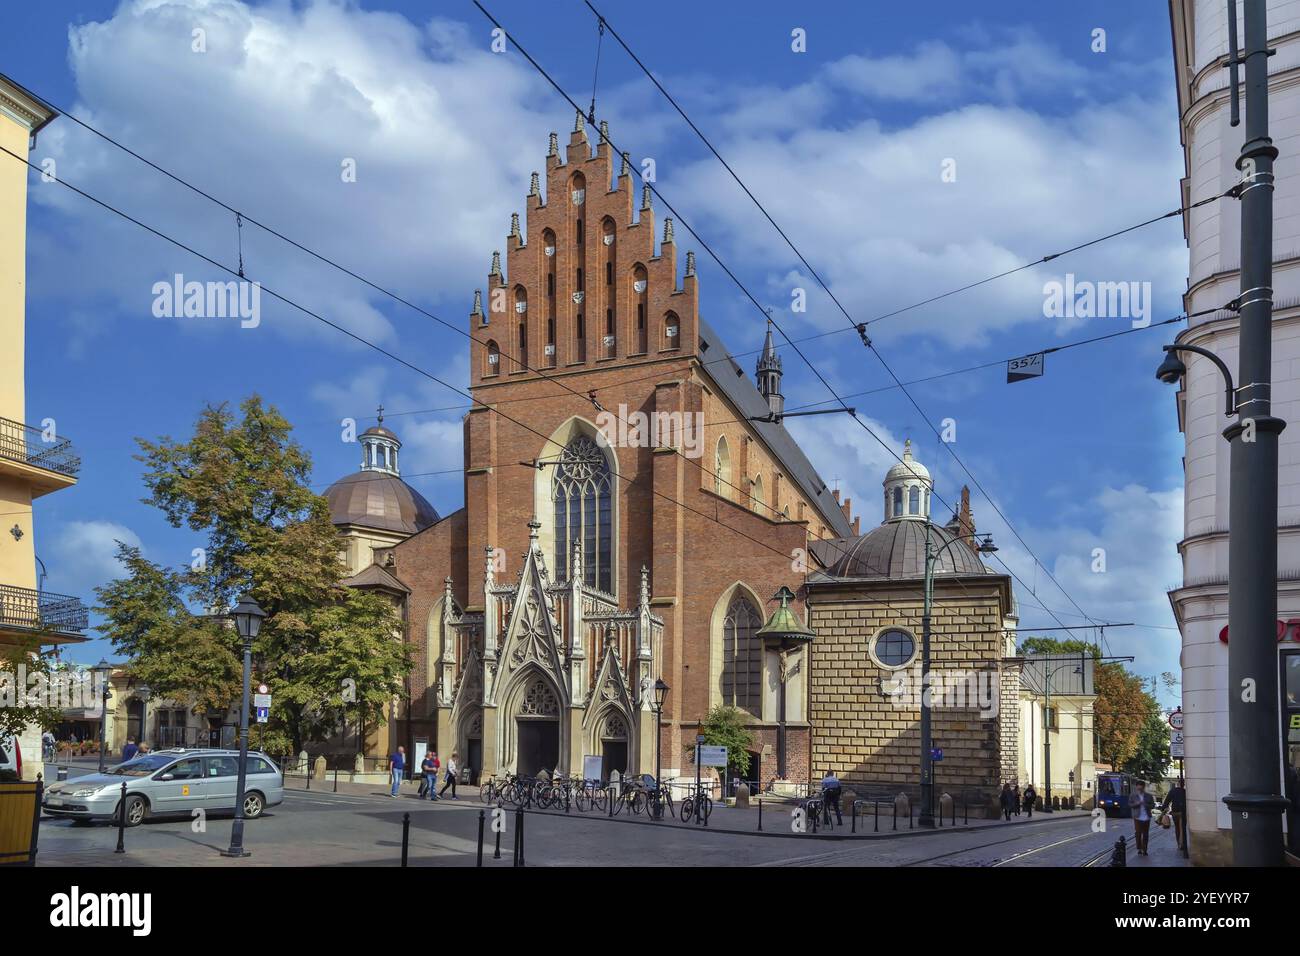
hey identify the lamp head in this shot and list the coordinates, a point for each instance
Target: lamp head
(1172, 368)
(248, 617)
(661, 693)
(987, 546)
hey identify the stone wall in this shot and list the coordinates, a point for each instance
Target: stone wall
(870, 740)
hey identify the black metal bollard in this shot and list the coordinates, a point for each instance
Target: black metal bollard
(876, 804)
(854, 828)
(1119, 856)
(499, 815)
(336, 779)
(895, 816)
(482, 815)
(406, 835)
(911, 825)
(965, 812)
(121, 821)
(760, 813)
(519, 837)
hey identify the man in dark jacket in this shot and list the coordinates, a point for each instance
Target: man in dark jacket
(1005, 799)
(1141, 804)
(129, 751)
(1176, 803)
(1031, 798)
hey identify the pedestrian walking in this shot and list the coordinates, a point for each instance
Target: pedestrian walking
(1030, 798)
(1175, 805)
(130, 750)
(452, 770)
(47, 745)
(428, 787)
(831, 792)
(1005, 800)
(397, 763)
(1015, 792)
(1140, 804)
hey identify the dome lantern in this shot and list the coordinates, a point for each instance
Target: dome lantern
(379, 448)
(907, 489)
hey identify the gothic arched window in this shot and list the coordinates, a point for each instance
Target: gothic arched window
(722, 469)
(742, 656)
(581, 489)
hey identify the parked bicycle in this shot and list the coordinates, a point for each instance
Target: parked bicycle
(697, 806)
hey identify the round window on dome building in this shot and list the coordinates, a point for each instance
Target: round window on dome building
(893, 648)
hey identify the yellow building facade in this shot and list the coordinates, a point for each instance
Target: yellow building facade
(34, 460)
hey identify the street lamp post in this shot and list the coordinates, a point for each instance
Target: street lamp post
(1047, 733)
(985, 546)
(661, 693)
(1254, 799)
(105, 671)
(248, 621)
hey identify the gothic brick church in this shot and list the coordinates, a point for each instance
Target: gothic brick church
(633, 505)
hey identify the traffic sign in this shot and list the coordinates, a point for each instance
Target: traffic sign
(936, 753)
(262, 714)
(1176, 719)
(261, 701)
(263, 689)
(713, 756)
(1177, 747)
(1027, 366)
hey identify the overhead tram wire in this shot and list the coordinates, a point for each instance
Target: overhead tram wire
(902, 614)
(1182, 317)
(767, 315)
(860, 327)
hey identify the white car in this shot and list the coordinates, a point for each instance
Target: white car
(166, 783)
(11, 758)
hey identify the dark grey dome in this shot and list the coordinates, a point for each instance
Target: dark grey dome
(896, 549)
(374, 499)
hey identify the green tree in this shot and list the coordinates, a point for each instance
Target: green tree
(727, 727)
(1150, 759)
(328, 652)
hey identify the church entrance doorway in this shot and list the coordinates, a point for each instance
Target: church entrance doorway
(538, 747)
(614, 758)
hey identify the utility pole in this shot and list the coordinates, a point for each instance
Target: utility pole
(1253, 727)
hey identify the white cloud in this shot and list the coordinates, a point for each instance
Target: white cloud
(82, 556)
(285, 94)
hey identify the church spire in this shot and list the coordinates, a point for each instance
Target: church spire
(768, 373)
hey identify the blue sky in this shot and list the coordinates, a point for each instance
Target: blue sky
(1053, 144)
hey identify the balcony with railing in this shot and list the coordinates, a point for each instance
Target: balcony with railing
(58, 618)
(47, 461)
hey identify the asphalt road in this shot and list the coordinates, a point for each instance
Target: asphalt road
(314, 828)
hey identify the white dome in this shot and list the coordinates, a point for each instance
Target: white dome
(908, 468)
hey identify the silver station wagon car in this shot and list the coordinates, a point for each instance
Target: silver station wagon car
(168, 782)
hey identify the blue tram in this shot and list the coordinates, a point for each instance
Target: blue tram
(1113, 789)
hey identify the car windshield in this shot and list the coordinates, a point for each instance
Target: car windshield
(141, 767)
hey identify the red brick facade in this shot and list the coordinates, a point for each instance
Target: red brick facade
(695, 542)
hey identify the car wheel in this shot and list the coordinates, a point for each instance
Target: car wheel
(253, 805)
(136, 811)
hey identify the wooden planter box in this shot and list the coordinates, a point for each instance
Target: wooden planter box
(20, 814)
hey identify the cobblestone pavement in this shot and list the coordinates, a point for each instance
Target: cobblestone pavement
(363, 827)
